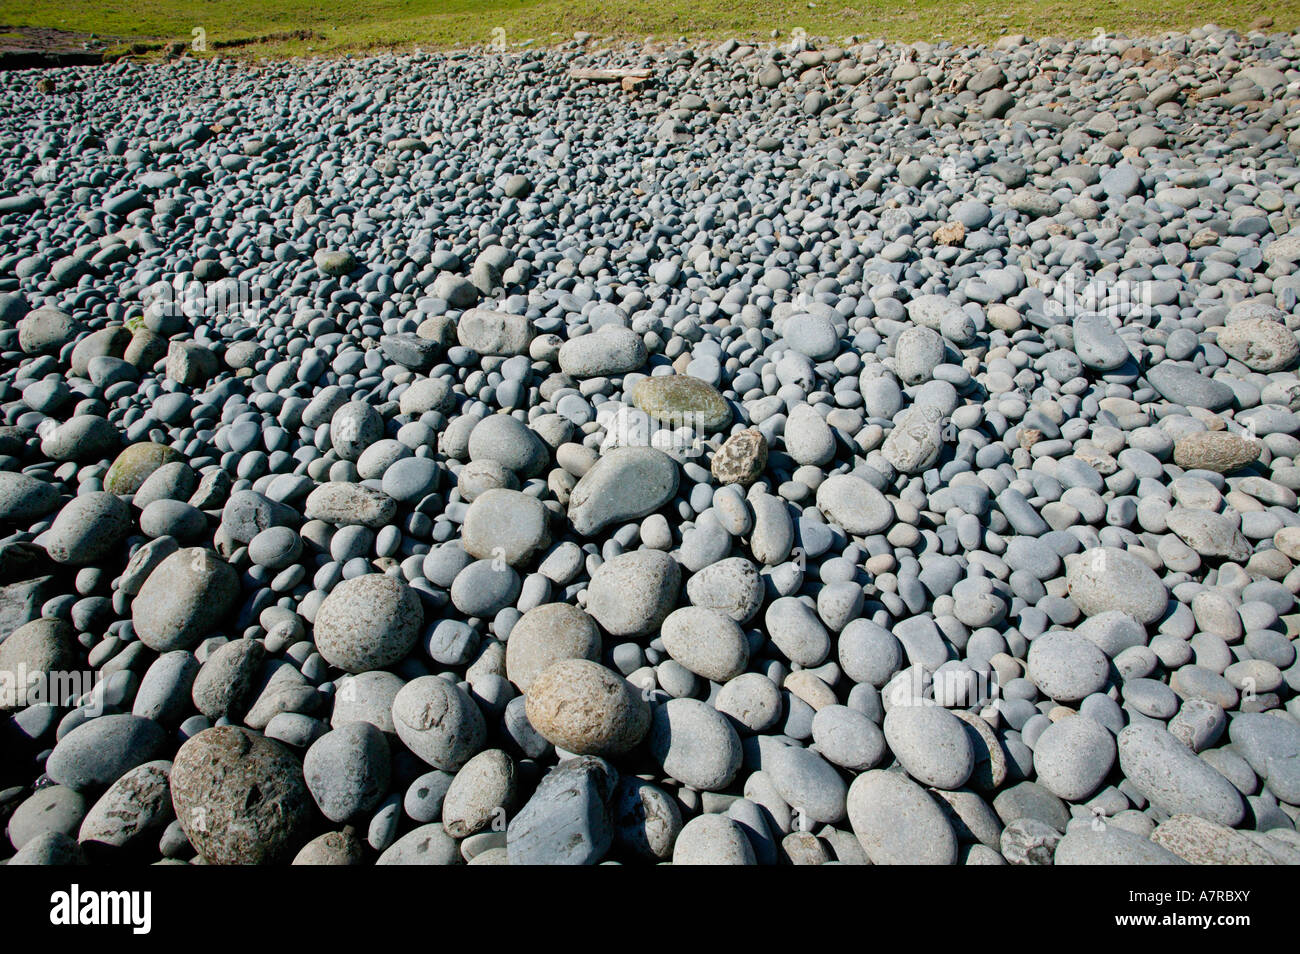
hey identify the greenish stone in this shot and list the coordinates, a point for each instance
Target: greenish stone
(134, 465)
(677, 400)
(335, 262)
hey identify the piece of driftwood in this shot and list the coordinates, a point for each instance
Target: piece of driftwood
(610, 75)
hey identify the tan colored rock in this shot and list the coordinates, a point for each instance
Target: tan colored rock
(582, 707)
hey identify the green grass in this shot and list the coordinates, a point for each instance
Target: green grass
(363, 25)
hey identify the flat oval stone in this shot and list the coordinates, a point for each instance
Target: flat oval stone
(1073, 756)
(546, 635)
(632, 594)
(1066, 666)
(87, 528)
(482, 791)
(1218, 451)
(346, 504)
(625, 483)
(507, 525)
(100, 751)
(1184, 384)
(183, 599)
(931, 744)
(1173, 778)
(732, 586)
(807, 782)
(1098, 344)
(610, 350)
(582, 707)
(695, 744)
(25, 499)
(1110, 845)
(1103, 579)
(712, 840)
(897, 822)
(39, 649)
(853, 504)
(706, 642)
(678, 400)
(439, 722)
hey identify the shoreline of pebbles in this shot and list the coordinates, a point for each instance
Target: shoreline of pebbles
(865, 455)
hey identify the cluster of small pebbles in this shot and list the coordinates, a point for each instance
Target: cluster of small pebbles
(855, 454)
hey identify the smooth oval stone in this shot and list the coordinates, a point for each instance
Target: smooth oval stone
(484, 588)
(695, 744)
(1173, 778)
(1103, 579)
(546, 635)
(632, 594)
(853, 504)
(797, 632)
(610, 350)
(1184, 384)
(1073, 756)
(88, 528)
(582, 707)
(426, 845)
(1201, 842)
(51, 808)
(706, 642)
(480, 794)
(1098, 344)
(678, 400)
(626, 483)
(439, 722)
(38, 654)
(897, 823)
(807, 782)
(25, 499)
(732, 586)
(368, 622)
(712, 840)
(931, 744)
(344, 504)
(1066, 666)
(134, 465)
(184, 599)
(848, 738)
(516, 447)
(347, 770)
(505, 525)
(1110, 845)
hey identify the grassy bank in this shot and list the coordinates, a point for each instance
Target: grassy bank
(342, 26)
